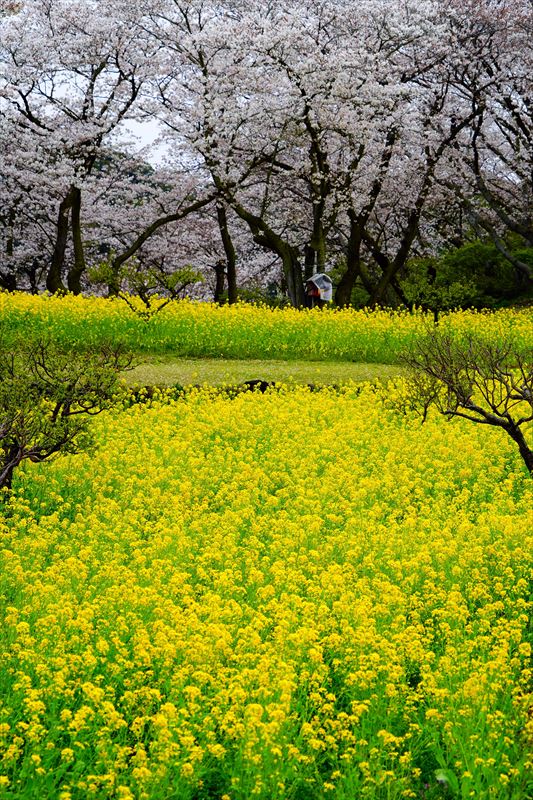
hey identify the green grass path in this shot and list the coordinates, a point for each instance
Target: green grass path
(216, 371)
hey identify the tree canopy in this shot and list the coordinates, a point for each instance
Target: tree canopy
(293, 138)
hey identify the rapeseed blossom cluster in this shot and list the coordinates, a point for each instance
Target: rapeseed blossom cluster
(192, 329)
(288, 595)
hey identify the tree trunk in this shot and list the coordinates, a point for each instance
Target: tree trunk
(10, 241)
(8, 280)
(527, 454)
(229, 250)
(315, 251)
(79, 266)
(54, 282)
(346, 284)
(377, 297)
(6, 477)
(343, 293)
(293, 275)
(266, 237)
(309, 261)
(388, 281)
(399, 292)
(220, 277)
(318, 241)
(11, 460)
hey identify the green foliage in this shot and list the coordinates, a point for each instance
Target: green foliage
(475, 275)
(428, 286)
(153, 285)
(480, 262)
(263, 296)
(101, 274)
(524, 254)
(359, 296)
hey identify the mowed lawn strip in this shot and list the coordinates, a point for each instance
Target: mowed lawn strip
(217, 372)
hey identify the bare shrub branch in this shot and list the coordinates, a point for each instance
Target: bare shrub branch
(483, 382)
(46, 396)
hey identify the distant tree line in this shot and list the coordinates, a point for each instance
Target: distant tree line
(388, 144)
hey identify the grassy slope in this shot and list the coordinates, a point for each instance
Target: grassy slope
(170, 371)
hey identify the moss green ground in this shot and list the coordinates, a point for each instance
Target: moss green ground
(168, 371)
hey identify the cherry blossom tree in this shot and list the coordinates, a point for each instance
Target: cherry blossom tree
(314, 120)
(297, 137)
(70, 73)
(496, 169)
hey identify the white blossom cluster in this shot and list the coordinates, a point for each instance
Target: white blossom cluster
(291, 137)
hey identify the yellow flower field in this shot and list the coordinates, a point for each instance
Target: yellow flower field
(292, 595)
(241, 331)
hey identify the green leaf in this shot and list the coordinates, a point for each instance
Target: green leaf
(448, 778)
